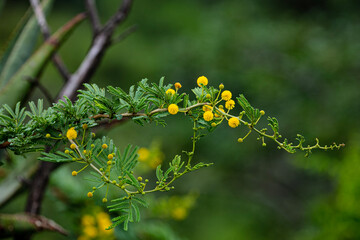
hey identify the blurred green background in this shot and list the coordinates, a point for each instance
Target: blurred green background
(298, 60)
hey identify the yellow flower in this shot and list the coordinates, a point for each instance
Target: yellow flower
(221, 86)
(87, 220)
(110, 156)
(90, 231)
(173, 109)
(208, 116)
(85, 126)
(207, 108)
(104, 221)
(179, 213)
(71, 134)
(90, 194)
(262, 112)
(104, 146)
(234, 122)
(74, 173)
(226, 95)
(170, 91)
(72, 146)
(230, 104)
(177, 85)
(144, 154)
(155, 162)
(202, 81)
(47, 135)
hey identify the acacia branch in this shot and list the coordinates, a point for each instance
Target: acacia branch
(93, 58)
(93, 16)
(44, 28)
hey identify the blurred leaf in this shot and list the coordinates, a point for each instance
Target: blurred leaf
(21, 45)
(10, 184)
(19, 84)
(2, 3)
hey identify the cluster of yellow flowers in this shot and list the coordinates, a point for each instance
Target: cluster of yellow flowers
(94, 227)
(211, 112)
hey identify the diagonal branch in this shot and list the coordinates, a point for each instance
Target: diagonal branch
(93, 16)
(40, 16)
(93, 58)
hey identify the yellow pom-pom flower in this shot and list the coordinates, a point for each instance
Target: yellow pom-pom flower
(234, 122)
(208, 116)
(206, 108)
(202, 81)
(72, 146)
(173, 109)
(221, 86)
(85, 126)
(71, 134)
(74, 173)
(90, 194)
(226, 95)
(104, 146)
(170, 91)
(110, 156)
(177, 85)
(262, 112)
(230, 104)
(47, 135)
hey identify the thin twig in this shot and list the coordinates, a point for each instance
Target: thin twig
(40, 16)
(124, 34)
(45, 92)
(93, 16)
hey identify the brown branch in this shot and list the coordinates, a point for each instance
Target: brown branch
(93, 16)
(124, 34)
(94, 56)
(13, 224)
(40, 16)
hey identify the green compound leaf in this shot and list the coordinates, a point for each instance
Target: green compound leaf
(128, 209)
(127, 160)
(56, 157)
(201, 165)
(274, 124)
(253, 114)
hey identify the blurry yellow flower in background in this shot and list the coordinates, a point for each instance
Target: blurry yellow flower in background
(94, 224)
(151, 157)
(179, 213)
(144, 154)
